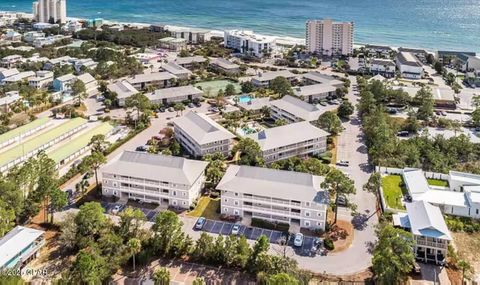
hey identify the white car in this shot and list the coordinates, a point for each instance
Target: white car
(116, 209)
(236, 229)
(343, 163)
(298, 241)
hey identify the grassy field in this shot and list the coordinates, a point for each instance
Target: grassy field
(206, 207)
(392, 191)
(437, 182)
(211, 88)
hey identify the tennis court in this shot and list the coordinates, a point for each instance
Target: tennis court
(77, 144)
(30, 147)
(211, 88)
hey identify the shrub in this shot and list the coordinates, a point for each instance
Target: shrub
(283, 227)
(328, 243)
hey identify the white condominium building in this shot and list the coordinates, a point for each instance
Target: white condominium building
(409, 66)
(293, 110)
(200, 135)
(175, 94)
(155, 79)
(45, 11)
(329, 38)
(247, 42)
(42, 79)
(297, 139)
(264, 79)
(165, 180)
(274, 195)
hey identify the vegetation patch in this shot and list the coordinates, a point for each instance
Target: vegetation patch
(393, 191)
(437, 182)
(206, 207)
(259, 223)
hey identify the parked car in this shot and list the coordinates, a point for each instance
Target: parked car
(236, 229)
(298, 241)
(343, 163)
(403, 134)
(341, 201)
(171, 109)
(416, 269)
(141, 148)
(197, 104)
(116, 209)
(190, 105)
(161, 110)
(323, 103)
(200, 223)
(316, 245)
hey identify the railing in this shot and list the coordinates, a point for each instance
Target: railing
(432, 244)
(269, 210)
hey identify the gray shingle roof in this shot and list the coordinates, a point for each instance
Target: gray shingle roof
(268, 76)
(287, 135)
(273, 183)
(407, 58)
(427, 220)
(174, 92)
(297, 107)
(202, 129)
(156, 167)
(155, 76)
(123, 89)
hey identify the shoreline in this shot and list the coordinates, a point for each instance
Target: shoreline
(286, 40)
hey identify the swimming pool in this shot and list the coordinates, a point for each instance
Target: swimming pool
(244, 99)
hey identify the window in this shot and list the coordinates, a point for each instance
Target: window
(174, 193)
(236, 203)
(225, 210)
(105, 182)
(307, 204)
(174, 202)
(184, 193)
(225, 200)
(307, 214)
(106, 191)
(235, 212)
(115, 193)
(236, 194)
(319, 214)
(184, 203)
(307, 223)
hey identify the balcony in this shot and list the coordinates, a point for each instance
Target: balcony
(442, 245)
(270, 211)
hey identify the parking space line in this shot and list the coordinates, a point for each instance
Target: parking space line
(220, 232)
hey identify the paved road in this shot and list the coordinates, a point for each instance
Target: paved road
(356, 258)
(157, 124)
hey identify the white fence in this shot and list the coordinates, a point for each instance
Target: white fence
(399, 171)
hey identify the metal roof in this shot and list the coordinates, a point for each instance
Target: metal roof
(174, 92)
(202, 129)
(298, 108)
(427, 220)
(287, 135)
(157, 167)
(15, 241)
(281, 184)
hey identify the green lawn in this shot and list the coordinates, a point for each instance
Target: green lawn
(393, 192)
(211, 88)
(437, 182)
(206, 207)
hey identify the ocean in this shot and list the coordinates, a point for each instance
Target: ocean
(430, 24)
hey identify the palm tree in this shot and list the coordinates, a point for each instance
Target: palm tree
(161, 276)
(199, 281)
(465, 266)
(134, 245)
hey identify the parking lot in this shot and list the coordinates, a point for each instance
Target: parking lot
(150, 214)
(253, 233)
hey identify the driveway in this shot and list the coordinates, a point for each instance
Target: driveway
(357, 257)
